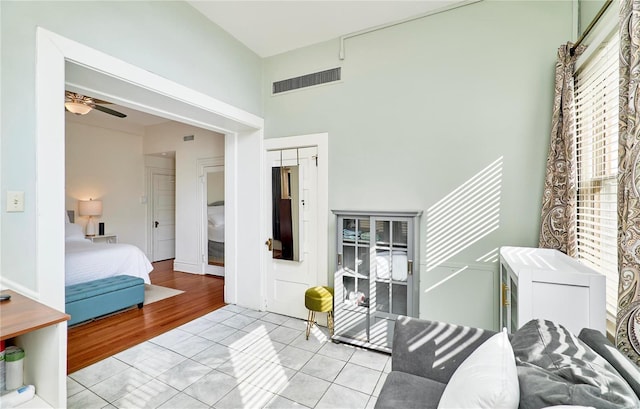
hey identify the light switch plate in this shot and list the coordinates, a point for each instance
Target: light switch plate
(15, 201)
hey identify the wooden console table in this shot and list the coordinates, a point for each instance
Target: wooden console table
(21, 315)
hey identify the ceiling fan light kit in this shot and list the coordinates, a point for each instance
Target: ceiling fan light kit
(77, 108)
(82, 105)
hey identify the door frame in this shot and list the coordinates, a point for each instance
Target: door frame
(137, 88)
(203, 165)
(151, 172)
(321, 141)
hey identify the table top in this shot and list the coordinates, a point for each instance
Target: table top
(21, 315)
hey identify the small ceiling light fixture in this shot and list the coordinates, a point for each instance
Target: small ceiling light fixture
(77, 108)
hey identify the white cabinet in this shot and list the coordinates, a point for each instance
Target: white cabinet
(548, 284)
(376, 276)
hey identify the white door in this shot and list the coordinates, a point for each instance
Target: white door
(164, 217)
(291, 265)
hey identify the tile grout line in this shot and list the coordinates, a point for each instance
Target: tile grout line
(314, 353)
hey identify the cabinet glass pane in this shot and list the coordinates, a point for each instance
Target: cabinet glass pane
(399, 299)
(349, 230)
(358, 293)
(383, 233)
(364, 231)
(382, 297)
(349, 259)
(383, 264)
(399, 237)
(349, 284)
(362, 295)
(362, 266)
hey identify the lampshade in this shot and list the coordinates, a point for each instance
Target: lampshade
(90, 208)
(77, 108)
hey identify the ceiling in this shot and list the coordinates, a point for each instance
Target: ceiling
(274, 27)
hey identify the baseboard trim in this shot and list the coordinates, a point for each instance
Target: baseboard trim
(187, 267)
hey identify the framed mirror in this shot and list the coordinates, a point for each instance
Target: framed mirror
(286, 195)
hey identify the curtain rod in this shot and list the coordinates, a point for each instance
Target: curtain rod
(590, 26)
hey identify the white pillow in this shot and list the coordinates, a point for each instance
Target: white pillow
(486, 379)
(73, 232)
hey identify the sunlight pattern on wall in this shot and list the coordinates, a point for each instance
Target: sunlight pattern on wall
(464, 216)
(490, 257)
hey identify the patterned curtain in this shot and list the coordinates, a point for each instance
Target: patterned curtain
(628, 317)
(558, 221)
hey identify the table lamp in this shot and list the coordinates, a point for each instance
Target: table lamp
(90, 208)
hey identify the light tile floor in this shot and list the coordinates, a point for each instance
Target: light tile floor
(234, 358)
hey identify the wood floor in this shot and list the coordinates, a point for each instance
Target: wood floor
(91, 342)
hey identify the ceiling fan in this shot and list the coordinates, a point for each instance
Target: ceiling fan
(82, 105)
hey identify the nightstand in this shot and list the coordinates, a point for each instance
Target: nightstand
(105, 238)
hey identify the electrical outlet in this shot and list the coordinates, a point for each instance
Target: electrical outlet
(15, 201)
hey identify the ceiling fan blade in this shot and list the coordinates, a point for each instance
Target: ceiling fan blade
(109, 111)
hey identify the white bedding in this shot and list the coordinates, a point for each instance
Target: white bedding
(86, 261)
(216, 233)
(215, 225)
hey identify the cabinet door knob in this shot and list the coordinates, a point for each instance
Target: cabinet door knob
(269, 244)
(156, 223)
(410, 267)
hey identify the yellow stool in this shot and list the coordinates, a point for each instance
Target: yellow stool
(319, 299)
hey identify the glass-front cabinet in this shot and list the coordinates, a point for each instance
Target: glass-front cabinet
(376, 277)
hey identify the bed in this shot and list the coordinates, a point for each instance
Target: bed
(215, 232)
(87, 261)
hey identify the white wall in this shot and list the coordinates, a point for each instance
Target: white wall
(170, 39)
(448, 114)
(107, 165)
(206, 144)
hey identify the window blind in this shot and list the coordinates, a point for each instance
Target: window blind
(596, 102)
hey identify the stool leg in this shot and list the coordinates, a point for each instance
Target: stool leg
(309, 322)
(330, 322)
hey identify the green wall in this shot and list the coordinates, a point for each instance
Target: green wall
(170, 39)
(449, 114)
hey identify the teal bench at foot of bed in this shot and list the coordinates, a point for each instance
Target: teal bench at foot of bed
(92, 299)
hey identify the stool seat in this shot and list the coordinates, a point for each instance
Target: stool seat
(319, 299)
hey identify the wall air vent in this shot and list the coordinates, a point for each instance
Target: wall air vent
(307, 80)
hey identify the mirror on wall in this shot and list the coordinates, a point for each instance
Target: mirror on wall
(286, 198)
(215, 216)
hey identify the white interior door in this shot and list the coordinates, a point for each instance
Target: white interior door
(164, 217)
(291, 264)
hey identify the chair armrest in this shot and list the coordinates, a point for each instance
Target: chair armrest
(433, 349)
(603, 347)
